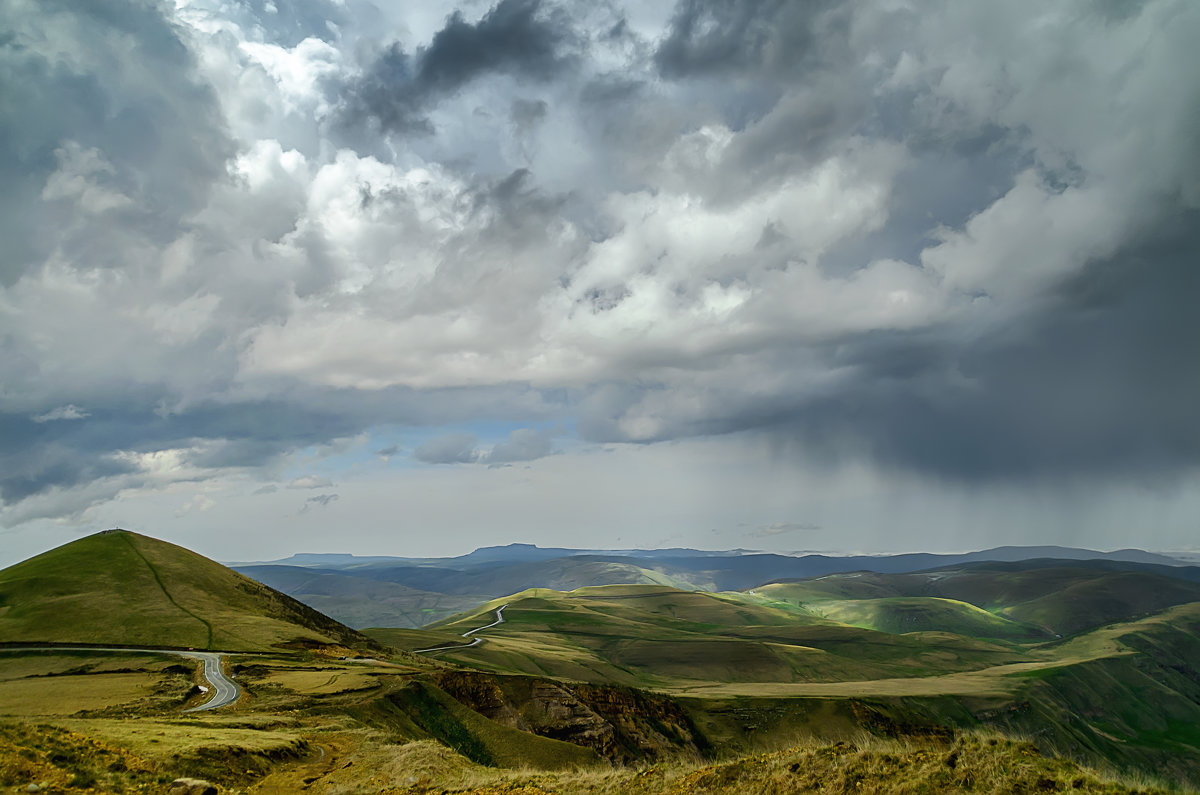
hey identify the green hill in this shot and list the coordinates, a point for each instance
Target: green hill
(658, 637)
(1061, 598)
(901, 614)
(122, 588)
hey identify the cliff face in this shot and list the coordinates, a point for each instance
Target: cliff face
(620, 724)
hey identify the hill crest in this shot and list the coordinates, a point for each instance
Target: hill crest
(122, 588)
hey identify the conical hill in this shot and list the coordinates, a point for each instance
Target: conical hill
(122, 588)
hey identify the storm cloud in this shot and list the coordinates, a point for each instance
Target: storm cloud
(524, 38)
(266, 244)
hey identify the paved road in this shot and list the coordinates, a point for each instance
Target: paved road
(467, 634)
(224, 690)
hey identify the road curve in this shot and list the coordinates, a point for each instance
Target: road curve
(468, 634)
(224, 690)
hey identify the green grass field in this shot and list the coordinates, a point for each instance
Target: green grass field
(662, 638)
(125, 589)
(1054, 600)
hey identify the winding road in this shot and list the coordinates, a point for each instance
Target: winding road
(224, 690)
(467, 634)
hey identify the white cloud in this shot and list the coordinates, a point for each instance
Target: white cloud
(67, 412)
(310, 482)
(298, 71)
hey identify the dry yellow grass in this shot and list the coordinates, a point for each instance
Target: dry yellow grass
(994, 681)
(973, 764)
(317, 683)
(15, 665)
(336, 760)
(161, 739)
(66, 695)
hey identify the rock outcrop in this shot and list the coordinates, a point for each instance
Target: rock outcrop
(620, 724)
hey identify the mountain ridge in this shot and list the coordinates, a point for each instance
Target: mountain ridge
(527, 552)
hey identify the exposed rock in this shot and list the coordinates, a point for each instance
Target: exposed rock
(192, 786)
(554, 711)
(620, 724)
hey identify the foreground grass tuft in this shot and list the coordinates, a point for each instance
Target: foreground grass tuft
(971, 764)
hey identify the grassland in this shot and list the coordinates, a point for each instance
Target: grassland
(896, 683)
(968, 764)
(900, 614)
(125, 589)
(61, 683)
(665, 639)
(111, 759)
(963, 666)
(1056, 600)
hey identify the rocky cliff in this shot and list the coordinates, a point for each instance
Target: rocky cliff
(620, 724)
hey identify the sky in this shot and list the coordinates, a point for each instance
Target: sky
(413, 278)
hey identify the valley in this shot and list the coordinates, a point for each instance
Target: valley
(977, 676)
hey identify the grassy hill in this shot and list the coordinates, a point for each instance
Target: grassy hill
(1054, 597)
(652, 636)
(353, 589)
(122, 588)
(407, 595)
(734, 691)
(901, 614)
(1084, 658)
(1124, 694)
(505, 577)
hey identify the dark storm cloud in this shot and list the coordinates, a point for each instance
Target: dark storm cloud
(524, 38)
(518, 36)
(34, 471)
(38, 455)
(1102, 381)
(721, 37)
(134, 117)
(630, 224)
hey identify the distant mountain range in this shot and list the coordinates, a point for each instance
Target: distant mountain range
(517, 553)
(382, 591)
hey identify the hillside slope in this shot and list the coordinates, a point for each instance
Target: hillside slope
(659, 637)
(359, 601)
(122, 588)
(1057, 597)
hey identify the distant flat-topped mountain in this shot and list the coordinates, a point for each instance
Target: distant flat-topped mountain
(1070, 553)
(529, 553)
(121, 588)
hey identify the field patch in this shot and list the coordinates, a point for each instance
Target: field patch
(322, 682)
(66, 695)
